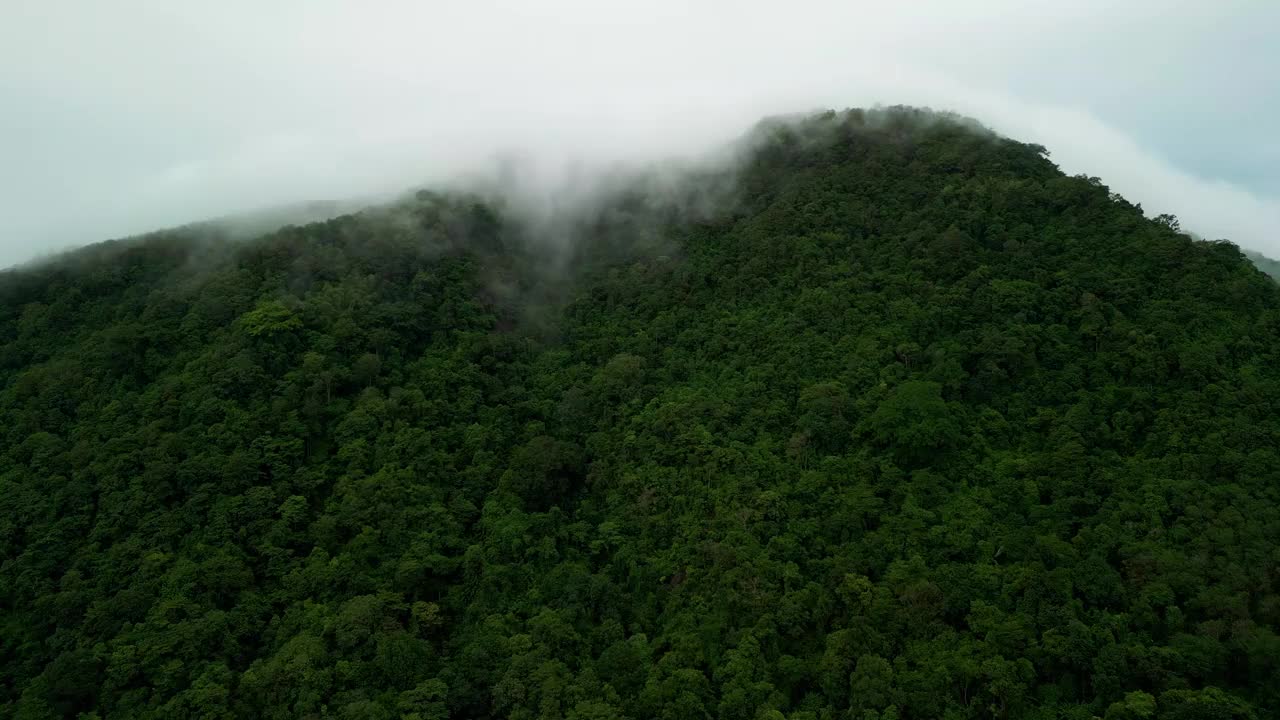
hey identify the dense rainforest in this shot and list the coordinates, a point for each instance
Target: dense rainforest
(888, 418)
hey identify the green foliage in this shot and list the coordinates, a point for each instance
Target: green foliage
(907, 425)
(914, 420)
(271, 317)
(1135, 706)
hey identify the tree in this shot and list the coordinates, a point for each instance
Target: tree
(914, 422)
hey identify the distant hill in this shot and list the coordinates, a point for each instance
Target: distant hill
(886, 418)
(1264, 263)
(251, 224)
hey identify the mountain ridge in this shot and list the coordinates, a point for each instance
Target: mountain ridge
(911, 425)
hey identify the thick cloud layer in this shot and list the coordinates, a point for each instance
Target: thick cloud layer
(125, 116)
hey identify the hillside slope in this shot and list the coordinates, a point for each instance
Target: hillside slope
(910, 426)
(1265, 264)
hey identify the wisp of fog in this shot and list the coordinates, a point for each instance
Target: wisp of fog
(128, 116)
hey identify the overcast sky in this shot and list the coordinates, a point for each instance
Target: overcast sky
(119, 116)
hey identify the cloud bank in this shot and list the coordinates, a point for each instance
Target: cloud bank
(127, 116)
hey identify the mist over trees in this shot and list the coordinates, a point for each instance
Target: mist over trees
(890, 419)
(1265, 264)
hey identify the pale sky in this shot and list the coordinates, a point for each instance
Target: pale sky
(121, 116)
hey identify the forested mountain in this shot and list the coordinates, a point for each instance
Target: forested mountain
(890, 419)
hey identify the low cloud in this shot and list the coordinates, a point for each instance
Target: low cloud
(135, 115)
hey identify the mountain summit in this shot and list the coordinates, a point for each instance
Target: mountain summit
(886, 417)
